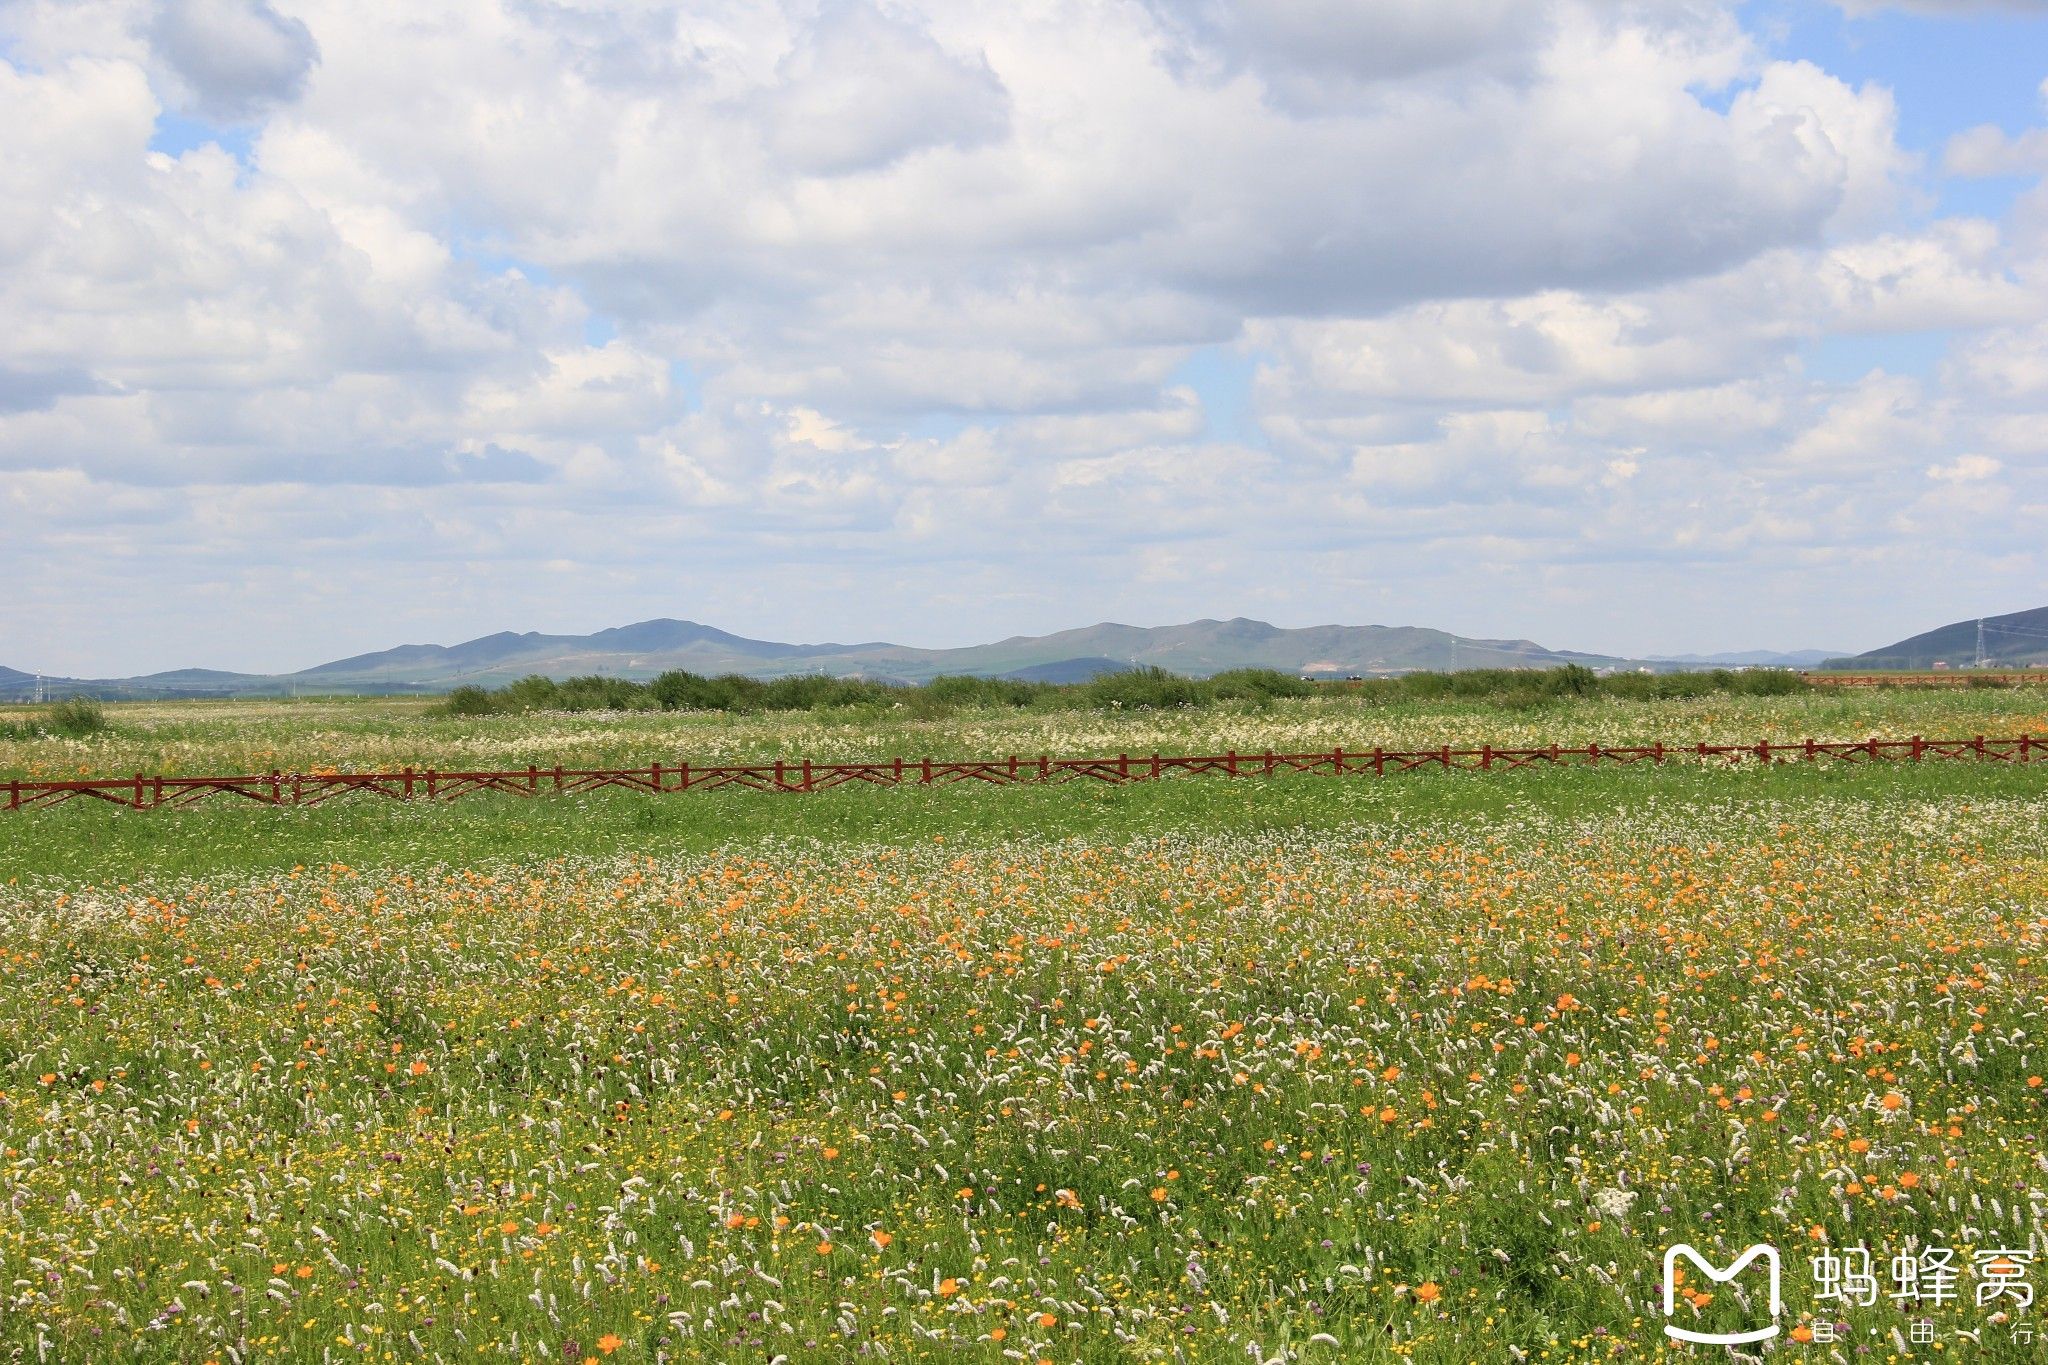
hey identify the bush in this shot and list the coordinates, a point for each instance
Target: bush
(1154, 687)
(1769, 682)
(77, 717)
(816, 692)
(1257, 685)
(1576, 679)
(470, 700)
(966, 690)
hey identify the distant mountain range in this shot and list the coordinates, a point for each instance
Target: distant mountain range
(2016, 640)
(1197, 648)
(1749, 658)
(646, 648)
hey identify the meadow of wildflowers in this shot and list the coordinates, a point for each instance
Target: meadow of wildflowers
(1428, 1076)
(387, 734)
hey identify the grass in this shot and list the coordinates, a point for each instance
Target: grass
(215, 737)
(1430, 1069)
(94, 844)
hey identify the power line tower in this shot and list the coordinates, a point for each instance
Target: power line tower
(1980, 642)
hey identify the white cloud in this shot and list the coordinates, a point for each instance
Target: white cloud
(1321, 53)
(233, 58)
(1965, 469)
(860, 90)
(1987, 150)
(784, 301)
(1944, 9)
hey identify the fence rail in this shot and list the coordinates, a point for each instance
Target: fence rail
(1959, 678)
(143, 792)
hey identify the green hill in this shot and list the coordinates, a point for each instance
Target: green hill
(2016, 640)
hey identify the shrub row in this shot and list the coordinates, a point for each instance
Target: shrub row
(1131, 690)
(1513, 687)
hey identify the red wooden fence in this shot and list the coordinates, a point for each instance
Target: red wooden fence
(782, 775)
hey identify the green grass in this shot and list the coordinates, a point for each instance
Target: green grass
(1428, 1068)
(92, 843)
(389, 734)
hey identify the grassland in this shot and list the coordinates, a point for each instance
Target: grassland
(193, 737)
(1427, 1069)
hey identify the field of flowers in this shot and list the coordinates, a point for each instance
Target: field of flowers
(1436, 1085)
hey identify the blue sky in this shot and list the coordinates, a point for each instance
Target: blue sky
(1655, 328)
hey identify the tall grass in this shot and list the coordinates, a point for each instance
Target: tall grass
(72, 718)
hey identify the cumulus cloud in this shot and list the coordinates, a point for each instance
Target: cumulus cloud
(792, 299)
(1965, 469)
(232, 59)
(1944, 9)
(861, 90)
(1987, 150)
(1064, 149)
(1320, 53)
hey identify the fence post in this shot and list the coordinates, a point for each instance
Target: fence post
(558, 777)
(1763, 751)
(1809, 749)
(807, 774)
(899, 769)
(1269, 762)
(408, 781)
(1486, 758)
(1593, 755)
(1155, 763)
(927, 769)
(1919, 746)
(655, 774)
(778, 774)
(1444, 757)
(1045, 767)
(14, 794)
(1379, 761)
(1337, 761)
(138, 791)
(432, 780)
(1013, 767)
(276, 785)
(683, 783)
(1230, 760)
(1659, 756)
(1979, 745)
(156, 793)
